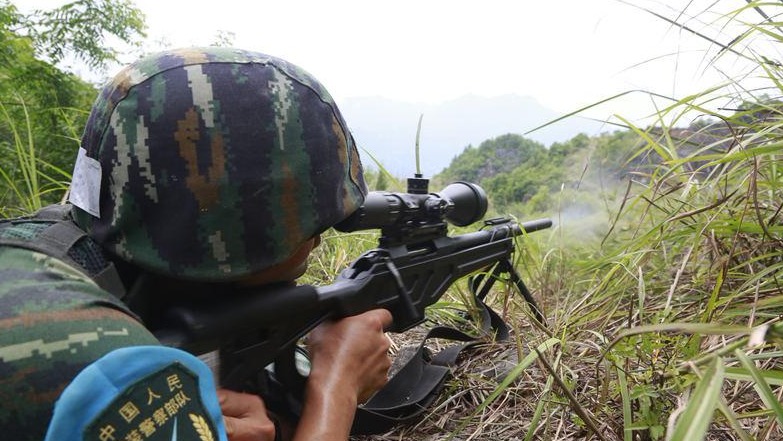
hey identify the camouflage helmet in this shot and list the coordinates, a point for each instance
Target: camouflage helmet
(216, 163)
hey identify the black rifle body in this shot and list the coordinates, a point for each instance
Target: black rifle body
(254, 328)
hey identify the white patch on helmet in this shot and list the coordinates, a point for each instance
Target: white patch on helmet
(85, 189)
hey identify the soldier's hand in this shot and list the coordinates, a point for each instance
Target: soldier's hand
(245, 417)
(352, 353)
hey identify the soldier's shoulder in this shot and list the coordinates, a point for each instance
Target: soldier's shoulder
(18, 264)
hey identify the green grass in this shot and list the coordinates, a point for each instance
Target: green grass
(26, 181)
(667, 320)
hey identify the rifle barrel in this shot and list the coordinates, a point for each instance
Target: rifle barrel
(535, 225)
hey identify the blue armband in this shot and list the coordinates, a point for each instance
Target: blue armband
(140, 393)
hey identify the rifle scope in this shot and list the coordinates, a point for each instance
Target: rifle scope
(460, 204)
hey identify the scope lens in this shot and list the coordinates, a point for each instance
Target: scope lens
(470, 203)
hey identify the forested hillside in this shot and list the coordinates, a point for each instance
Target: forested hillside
(526, 177)
(522, 176)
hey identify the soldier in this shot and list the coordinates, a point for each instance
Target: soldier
(211, 165)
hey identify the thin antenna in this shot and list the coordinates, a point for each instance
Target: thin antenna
(418, 184)
(418, 133)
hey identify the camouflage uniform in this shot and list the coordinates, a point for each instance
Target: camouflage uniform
(54, 321)
(210, 164)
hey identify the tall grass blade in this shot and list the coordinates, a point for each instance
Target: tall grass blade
(531, 430)
(625, 394)
(770, 377)
(692, 424)
(761, 386)
(27, 193)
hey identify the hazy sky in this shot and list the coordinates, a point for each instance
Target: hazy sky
(565, 53)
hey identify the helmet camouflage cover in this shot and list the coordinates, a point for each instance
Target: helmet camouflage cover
(216, 163)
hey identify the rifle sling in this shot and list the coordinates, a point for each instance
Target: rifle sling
(409, 393)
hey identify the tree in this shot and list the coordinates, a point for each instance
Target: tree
(43, 107)
(492, 157)
(82, 28)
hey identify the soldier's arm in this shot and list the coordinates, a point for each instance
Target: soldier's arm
(350, 362)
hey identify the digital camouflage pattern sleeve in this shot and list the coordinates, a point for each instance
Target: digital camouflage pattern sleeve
(54, 321)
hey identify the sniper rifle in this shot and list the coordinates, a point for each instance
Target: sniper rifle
(256, 332)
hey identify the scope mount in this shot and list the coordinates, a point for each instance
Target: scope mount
(418, 184)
